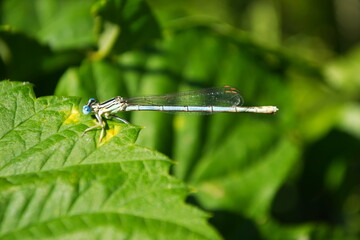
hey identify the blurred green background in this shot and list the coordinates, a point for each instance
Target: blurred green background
(293, 175)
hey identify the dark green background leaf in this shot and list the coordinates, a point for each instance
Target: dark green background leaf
(50, 21)
(127, 25)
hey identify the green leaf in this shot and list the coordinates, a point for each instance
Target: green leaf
(128, 24)
(57, 183)
(60, 24)
(248, 190)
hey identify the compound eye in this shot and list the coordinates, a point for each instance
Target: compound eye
(91, 101)
(86, 109)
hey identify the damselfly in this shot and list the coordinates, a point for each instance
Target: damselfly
(206, 101)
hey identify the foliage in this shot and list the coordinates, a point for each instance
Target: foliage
(57, 183)
(286, 176)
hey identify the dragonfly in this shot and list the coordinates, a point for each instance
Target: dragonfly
(224, 99)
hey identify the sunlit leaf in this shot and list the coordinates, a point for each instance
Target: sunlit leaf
(58, 183)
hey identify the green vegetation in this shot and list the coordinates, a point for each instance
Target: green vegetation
(292, 175)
